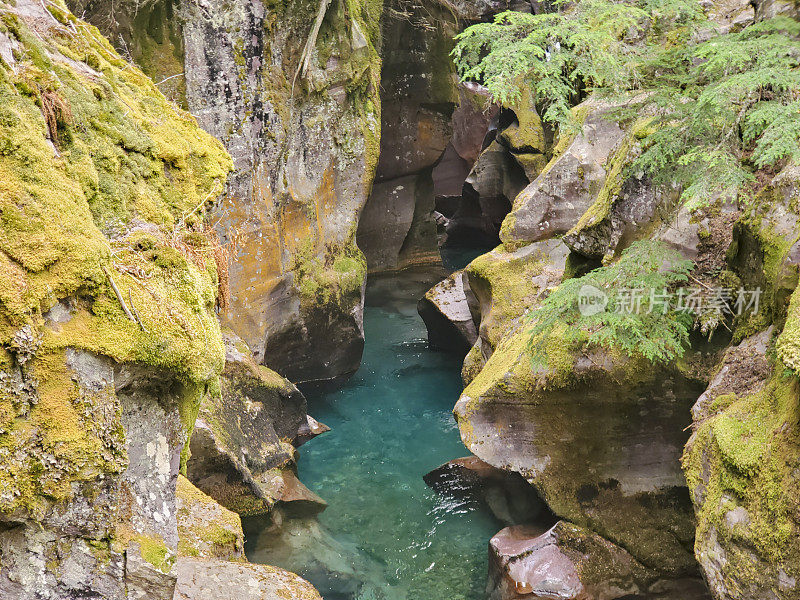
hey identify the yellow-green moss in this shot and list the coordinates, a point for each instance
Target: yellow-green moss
(788, 344)
(746, 455)
(335, 279)
(122, 156)
(205, 528)
(156, 552)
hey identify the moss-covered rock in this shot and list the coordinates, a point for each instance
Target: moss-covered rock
(742, 464)
(598, 435)
(766, 250)
(503, 286)
(206, 529)
(107, 324)
(244, 435)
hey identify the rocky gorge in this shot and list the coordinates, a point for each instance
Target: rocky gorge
(217, 218)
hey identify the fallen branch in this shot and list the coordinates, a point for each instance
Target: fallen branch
(135, 312)
(118, 295)
(311, 42)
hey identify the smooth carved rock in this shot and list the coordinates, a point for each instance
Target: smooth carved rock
(493, 183)
(502, 286)
(305, 150)
(507, 495)
(221, 580)
(418, 96)
(297, 500)
(599, 437)
(472, 121)
(396, 229)
(447, 316)
(563, 563)
(449, 175)
(555, 201)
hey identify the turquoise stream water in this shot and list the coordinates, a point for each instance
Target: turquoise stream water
(385, 534)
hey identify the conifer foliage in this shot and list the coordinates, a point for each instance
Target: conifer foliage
(632, 322)
(720, 107)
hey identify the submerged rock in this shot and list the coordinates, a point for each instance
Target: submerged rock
(508, 496)
(447, 316)
(336, 569)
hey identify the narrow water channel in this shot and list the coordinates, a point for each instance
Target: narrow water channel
(385, 534)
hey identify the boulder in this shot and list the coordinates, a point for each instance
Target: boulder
(598, 435)
(447, 316)
(566, 562)
(309, 430)
(242, 447)
(206, 529)
(502, 286)
(473, 120)
(296, 500)
(448, 177)
(554, 202)
(507, 495)
(767, 9)
(200, 579)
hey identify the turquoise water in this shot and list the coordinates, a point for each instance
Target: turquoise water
(385, 534)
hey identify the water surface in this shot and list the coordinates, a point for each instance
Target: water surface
(391, 424)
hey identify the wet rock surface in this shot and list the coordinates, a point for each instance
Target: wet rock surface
(564, 562)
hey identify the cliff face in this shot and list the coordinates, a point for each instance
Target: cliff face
(292, 90)
(108, 334)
